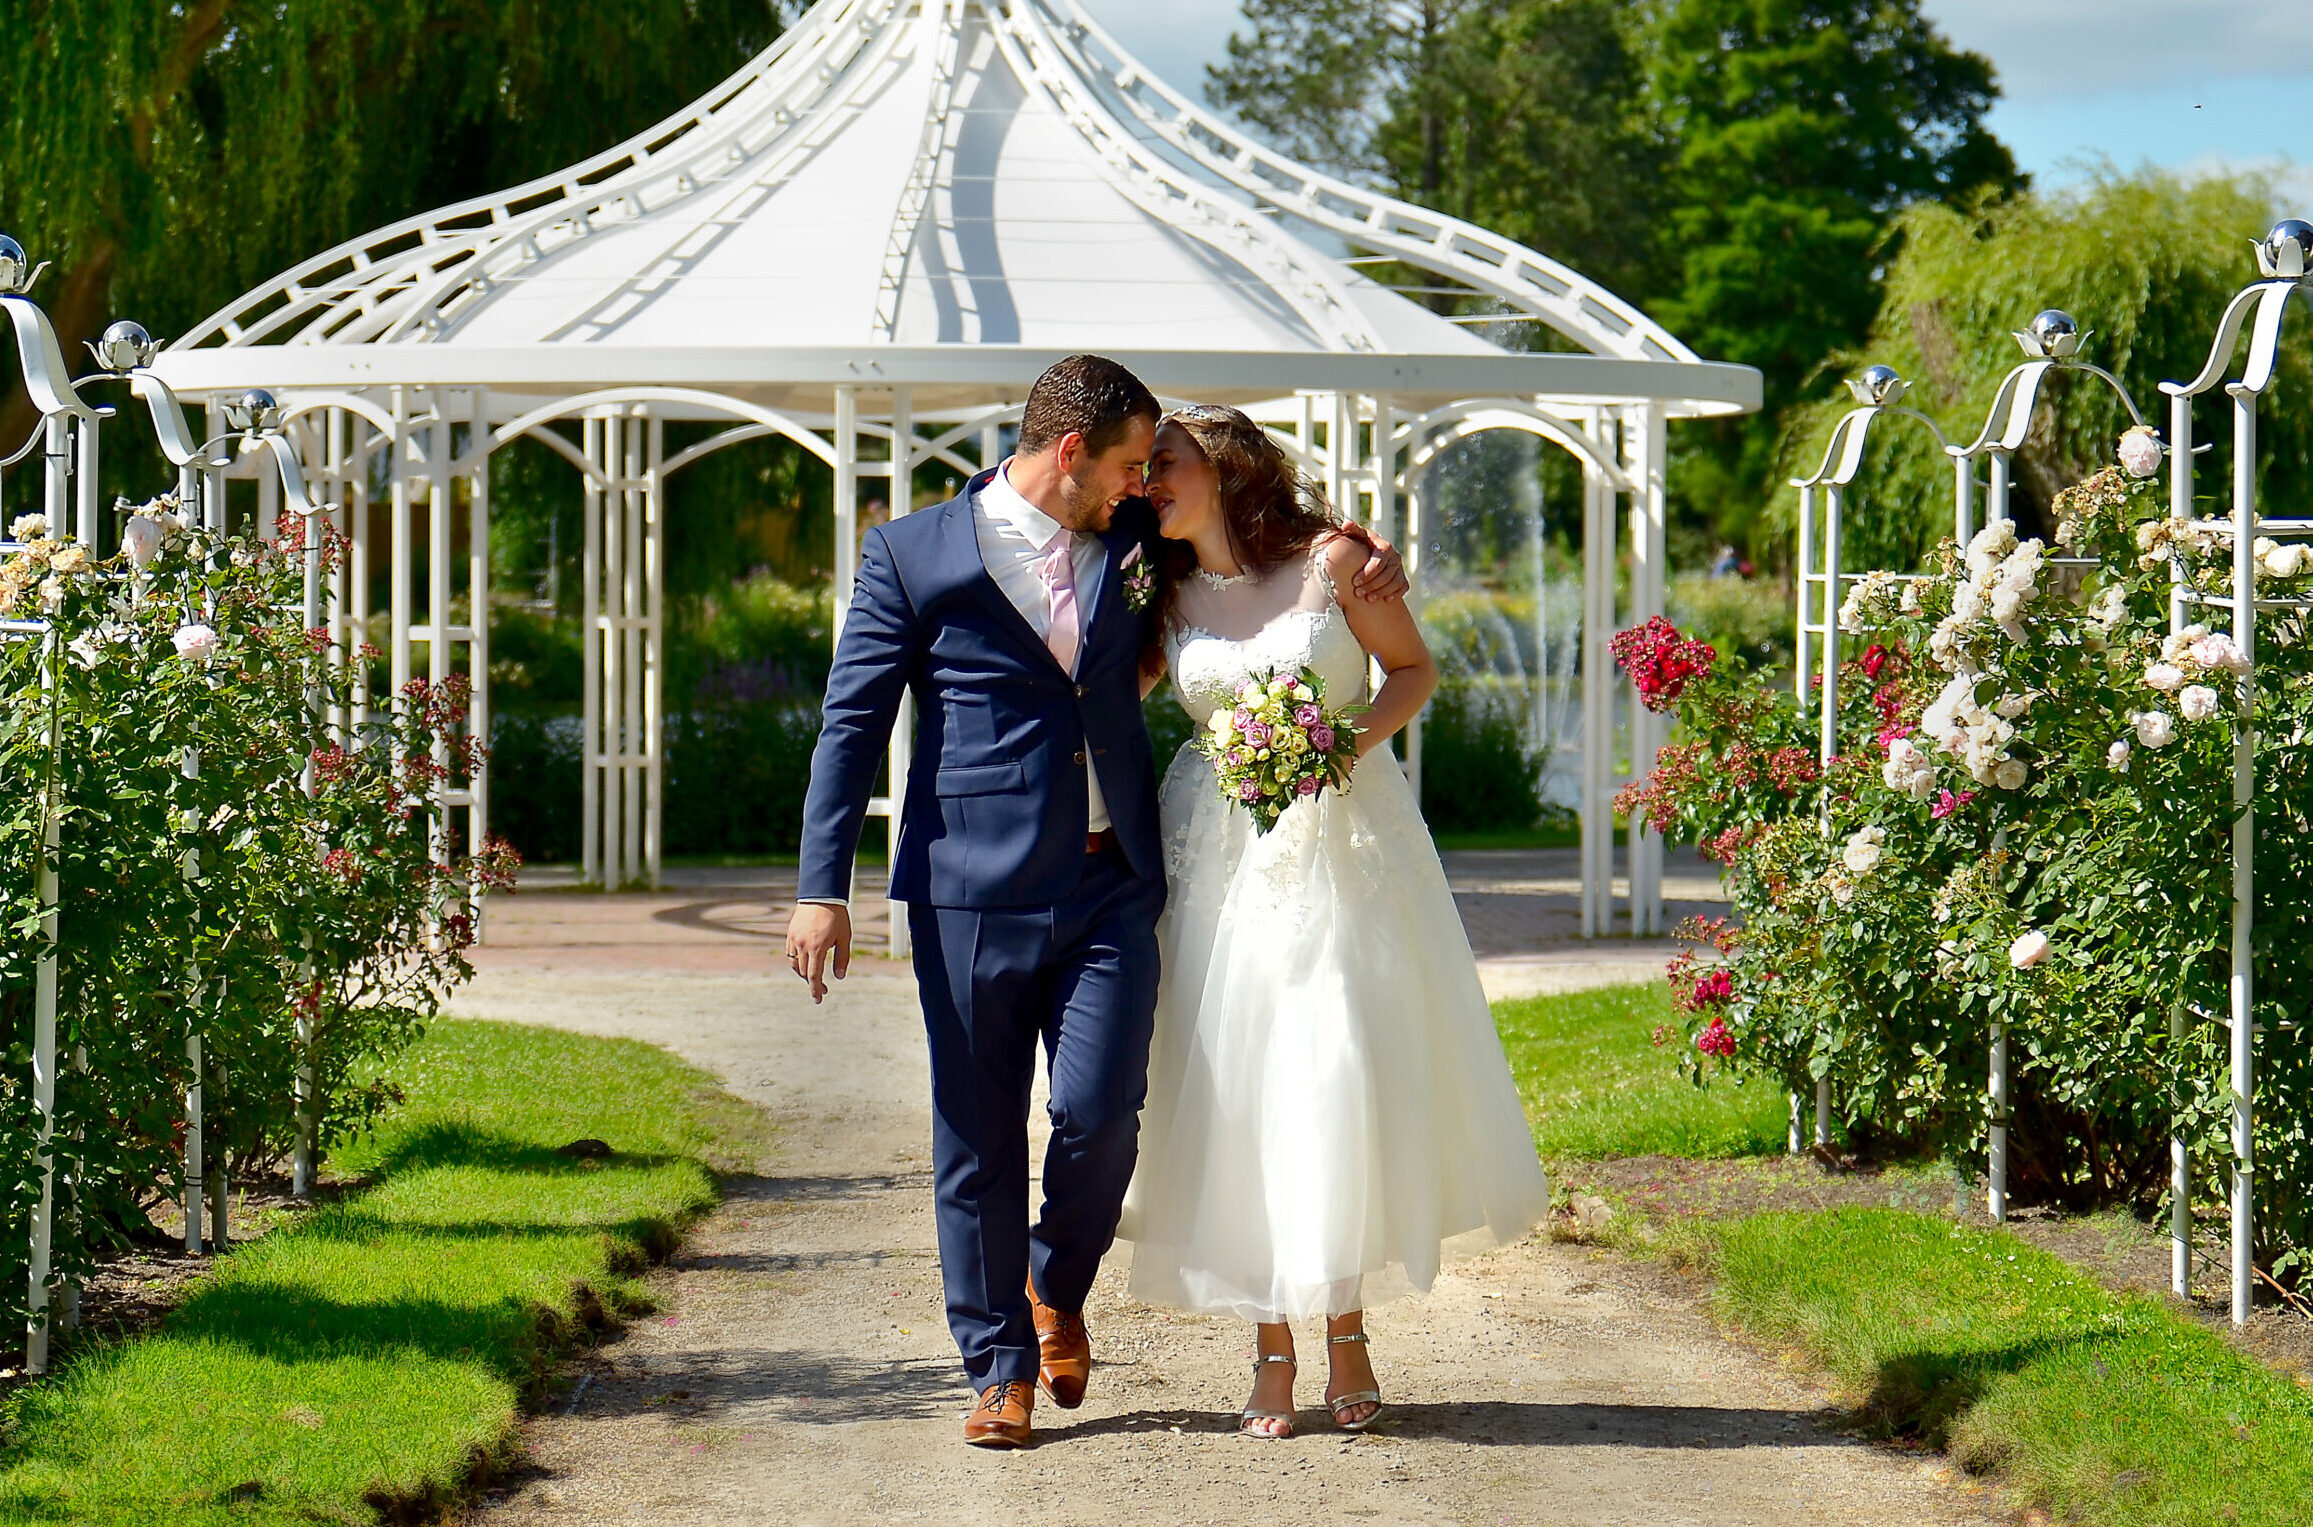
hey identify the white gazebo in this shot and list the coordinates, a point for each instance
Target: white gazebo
(870, 241)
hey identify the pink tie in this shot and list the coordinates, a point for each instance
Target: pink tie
(1059, 575)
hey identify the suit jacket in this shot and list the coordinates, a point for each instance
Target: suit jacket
(995, 806)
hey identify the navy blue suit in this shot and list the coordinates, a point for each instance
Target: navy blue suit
(1021, 935)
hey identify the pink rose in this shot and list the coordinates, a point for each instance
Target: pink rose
(1307, 715)
(1250, 790)
(1242, 720)
(1321, 738)
(1258, 733)
(1308, 786)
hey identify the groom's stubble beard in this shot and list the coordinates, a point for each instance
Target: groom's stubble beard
(1084, 509)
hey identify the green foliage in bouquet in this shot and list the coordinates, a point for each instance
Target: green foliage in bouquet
(228, 868)
(2030, 825)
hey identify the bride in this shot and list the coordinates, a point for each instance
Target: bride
(1329, 1113)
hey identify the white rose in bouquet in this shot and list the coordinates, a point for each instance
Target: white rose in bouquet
(2154, 728)
(2140, 452)
(2197, 701)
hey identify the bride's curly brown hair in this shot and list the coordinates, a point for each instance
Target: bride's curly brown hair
(1273, 512)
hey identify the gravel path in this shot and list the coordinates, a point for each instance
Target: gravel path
(799, 1371)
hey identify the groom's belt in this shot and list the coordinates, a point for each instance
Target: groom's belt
(1100, 842)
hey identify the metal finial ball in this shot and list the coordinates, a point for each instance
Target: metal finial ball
(2288, 249)
(1879, 385)
(254, 412)
(15, 265)
(125, 346)
(2057, 334)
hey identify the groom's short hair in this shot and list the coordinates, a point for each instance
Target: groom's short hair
(1089, 395)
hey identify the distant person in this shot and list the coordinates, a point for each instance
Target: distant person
(1329, 1107)
(1726, 563)
(1029, 856)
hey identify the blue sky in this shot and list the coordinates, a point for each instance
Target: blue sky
(2186, 84)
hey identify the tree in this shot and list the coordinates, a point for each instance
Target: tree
(1314, 76)
(2144, 263)
(1532, 119)
(166, 157)
(1802, 127)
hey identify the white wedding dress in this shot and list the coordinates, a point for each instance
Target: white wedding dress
(1329, 1112)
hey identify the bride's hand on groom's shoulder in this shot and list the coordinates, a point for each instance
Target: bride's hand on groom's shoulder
(1382, 578)
(819, 934)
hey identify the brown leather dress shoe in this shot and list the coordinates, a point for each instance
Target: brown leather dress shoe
(1002, 1417)
(1065, 1349)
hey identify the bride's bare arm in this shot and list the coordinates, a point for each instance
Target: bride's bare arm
(1388, 631)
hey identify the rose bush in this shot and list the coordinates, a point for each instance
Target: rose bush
(228, 868)
(2029, 825)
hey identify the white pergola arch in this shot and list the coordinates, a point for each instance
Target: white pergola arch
(850, 245)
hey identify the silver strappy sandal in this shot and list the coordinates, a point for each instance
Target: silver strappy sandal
(1245, 1429)
(1359, 1397)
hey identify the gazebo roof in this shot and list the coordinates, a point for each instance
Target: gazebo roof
(948, 194)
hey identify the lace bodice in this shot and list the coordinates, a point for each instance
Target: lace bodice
(1286, 620)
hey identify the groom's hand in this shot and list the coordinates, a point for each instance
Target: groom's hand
(1383, 576)
(815, 932)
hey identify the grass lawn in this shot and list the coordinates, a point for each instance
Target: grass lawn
(2102, 1408)
(1596, 1084)
(368, 1357)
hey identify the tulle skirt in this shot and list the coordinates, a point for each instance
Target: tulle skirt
(1330, 1116)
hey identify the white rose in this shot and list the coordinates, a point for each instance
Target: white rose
(196, 643)
(2006, 604)
(2140, 452)
(2154, 728)
(2177, 643)
(2218, 651)
(1967, 604)
(2011, 774)
(2116, 756)
(2165, 677)
(1896, 773)
(28, 527)
(1863, 851)
(1923, 785)
(51, 594)
(2197, 701)
(2029, 949)
(2012, 706)
(142, 538)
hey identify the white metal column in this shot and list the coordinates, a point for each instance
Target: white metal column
(1598, 545)
(595, 427)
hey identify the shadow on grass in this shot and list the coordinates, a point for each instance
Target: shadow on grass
(448, 1143)
(1922, 1394)
(281, 1318)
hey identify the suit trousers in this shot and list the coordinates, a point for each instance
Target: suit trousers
(1081, 977)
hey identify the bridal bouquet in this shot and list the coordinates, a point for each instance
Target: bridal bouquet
(1279, 744)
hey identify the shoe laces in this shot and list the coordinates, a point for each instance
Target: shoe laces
(999, 1395)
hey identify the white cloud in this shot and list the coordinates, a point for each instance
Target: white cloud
(2050, 48)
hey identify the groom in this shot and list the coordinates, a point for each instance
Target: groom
(1029, 857)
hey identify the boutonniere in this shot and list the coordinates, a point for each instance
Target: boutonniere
(1139, 579)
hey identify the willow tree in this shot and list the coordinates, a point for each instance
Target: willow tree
(167, 157)
(2145, 262)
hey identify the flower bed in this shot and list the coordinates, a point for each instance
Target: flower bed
(2030, 826)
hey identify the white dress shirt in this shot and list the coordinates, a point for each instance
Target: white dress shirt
(1013, 534)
